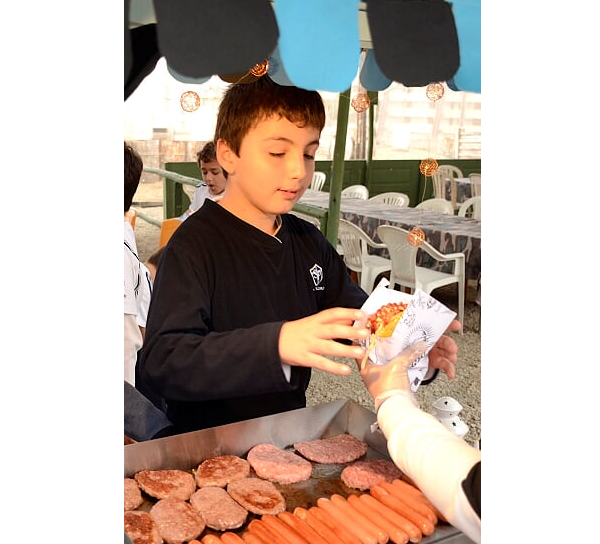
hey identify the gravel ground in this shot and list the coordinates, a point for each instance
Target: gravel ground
(325, 387)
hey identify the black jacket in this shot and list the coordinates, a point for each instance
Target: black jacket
(222, 292)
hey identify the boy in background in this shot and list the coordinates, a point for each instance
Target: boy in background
(213, 176)
(142, 420)
(250, 297)
(137, 281)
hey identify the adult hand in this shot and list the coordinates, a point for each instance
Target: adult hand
(444, 353)
(381, 379)
(304, 342)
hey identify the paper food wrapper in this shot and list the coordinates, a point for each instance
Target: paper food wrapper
(424, 319)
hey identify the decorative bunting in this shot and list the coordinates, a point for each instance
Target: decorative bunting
(371, 77)
(185, 79)
(200, 39)
(467, 14)
(415, 41)
(319, 42)
(314, 44)
(276, 69)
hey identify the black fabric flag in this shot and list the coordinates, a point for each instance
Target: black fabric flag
(415, 41)
(211, 37)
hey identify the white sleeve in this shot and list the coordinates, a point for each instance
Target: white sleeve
(132, 343)
(144, 295)
(435, 459)
(130, 275)
(199, 196)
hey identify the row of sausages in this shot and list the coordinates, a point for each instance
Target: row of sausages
(390, 512)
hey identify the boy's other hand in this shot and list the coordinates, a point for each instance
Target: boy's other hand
(306, 341)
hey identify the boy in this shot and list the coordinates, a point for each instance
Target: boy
(213, 176)
(250, 297)
(137, 282)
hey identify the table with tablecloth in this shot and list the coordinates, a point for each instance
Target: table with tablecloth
(447, 233)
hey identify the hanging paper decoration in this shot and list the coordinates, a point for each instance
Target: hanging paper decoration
(260, 69)
(428, 167)
(190, 101)
(361, 102)
(416, 236)
(434, 91)
(276, 70)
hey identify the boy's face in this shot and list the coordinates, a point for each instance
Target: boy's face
(275, 166)
(212, 174)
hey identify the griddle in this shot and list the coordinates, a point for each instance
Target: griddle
(186, 451)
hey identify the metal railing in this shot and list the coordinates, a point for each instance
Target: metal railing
(173, 194)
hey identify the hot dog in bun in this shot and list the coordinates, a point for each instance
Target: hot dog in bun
(383, 322)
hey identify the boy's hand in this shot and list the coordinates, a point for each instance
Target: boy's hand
(444, 353)
(304, 342)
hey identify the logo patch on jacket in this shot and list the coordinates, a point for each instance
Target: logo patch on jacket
(316, 273)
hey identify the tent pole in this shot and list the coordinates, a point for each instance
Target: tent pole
(373, 95)
(337, 167)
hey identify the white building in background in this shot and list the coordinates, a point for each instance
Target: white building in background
(408, 125)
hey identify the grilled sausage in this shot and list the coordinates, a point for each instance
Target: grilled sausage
(411, 501)
(417, 493)
(413, 532)
(397, 535)
(340, 530)
(251, 538)
(345, 519)
(262, 531)
(319, 526)
(424, 525)
(231, 538)
(284, 531)
(302, 528)
(380, 534)
(210, 539)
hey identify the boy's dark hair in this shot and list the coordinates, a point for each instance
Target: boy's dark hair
(154, 259)
(245, 104)
(208, 154)
(133, 173)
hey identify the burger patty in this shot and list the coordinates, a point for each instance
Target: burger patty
(141, 529)
(163, 484)
(132, 494)
(257, 496)
(365, 474)
(219, 471)
(278, 465)
(219, 510)
(342, 448)
(177, 521)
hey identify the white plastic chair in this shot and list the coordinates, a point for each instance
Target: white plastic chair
(475, 184)
(439, 205)
(310, 218)
(471, 208)
(439, 186)
(356, 243)
(393, 198)
(405, 271)
(450, 171)
(356, 191)
(318, 180)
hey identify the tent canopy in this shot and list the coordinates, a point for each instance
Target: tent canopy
(413, 42)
